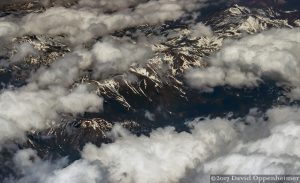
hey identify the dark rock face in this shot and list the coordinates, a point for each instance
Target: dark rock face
(159, 86)
(33, 4)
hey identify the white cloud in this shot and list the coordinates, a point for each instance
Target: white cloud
(105, 57)
(32, 169)
(89, 19)
(30, 108)
(277, 153)
(247, 61)
(199, 29)
(59, 20)
(64, 71)
(8, 28)
(39, 104)
(150, 116)
(23, 50)
(78, 172)
(116, 56)
(165, 156)
(214, 146)
(80, 101)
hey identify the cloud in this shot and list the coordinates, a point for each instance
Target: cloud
(246, 62)
(8, 28)
(32, 169)
(199, 29)
(276, 153)
(162, 157)
(23, 50)
(266, 145)
(165, 155)
(64, 71)
(39, 104)
(79, 172)
(116, 56)
(150, 116)
(31, 108)
(94, 23)
(106, 57)
(215, 146)
(50, 92)
(98, 18)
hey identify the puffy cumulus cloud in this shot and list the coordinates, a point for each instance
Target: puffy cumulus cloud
(91, 18)
(272, 54)
(33, 108)
(33, 169)
(76, 24)
(23, 50)
(72, 103)
(38, 104)
(105, 57)
(114, 56)
(199, 29)
(164, 10)
(207, 78)
(277, 153)
(64, 71)
(165, 156)
(79, 172)
(8, 29)
(213, 146)
(82, 24)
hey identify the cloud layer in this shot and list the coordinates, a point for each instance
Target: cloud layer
(213, 146)
(89, 18)
(267, 144)
(49, 93)
(247, 62)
